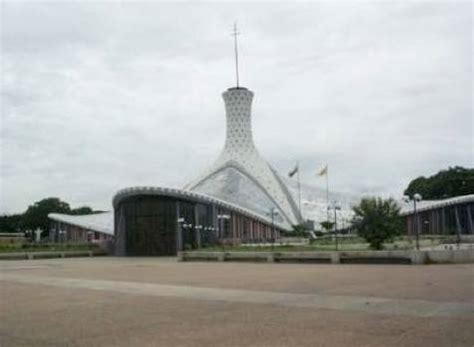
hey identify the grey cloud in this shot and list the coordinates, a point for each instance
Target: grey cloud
(99, 96)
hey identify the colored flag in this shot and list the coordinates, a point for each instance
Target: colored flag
(324, 171)
(294, 171)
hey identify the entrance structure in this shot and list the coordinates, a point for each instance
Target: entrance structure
(160, 221)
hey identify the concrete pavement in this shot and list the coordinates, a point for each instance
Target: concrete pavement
(159, 302)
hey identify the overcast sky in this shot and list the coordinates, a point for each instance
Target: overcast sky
(100, 96)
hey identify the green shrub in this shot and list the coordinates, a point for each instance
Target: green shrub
(377, 221)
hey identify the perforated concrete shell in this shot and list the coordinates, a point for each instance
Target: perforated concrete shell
(255, 176)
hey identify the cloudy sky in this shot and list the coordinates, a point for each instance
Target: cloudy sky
(101, 96)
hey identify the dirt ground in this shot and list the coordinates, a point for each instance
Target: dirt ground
(160, 302)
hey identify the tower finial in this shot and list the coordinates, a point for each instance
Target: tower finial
(236, 51)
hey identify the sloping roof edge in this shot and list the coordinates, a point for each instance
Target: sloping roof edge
(100, 222)
(426, 205)
(186, 194)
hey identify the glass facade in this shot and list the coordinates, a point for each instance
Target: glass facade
(150, 225)
(154, 225)
(447, 220)
(233, 186)
(62, 232)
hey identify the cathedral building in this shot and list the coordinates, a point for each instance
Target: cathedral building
(239, 199)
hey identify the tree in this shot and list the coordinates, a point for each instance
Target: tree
(10, 223)
(298, 230)
(445, 184)
(81, 210)
(327, 225)
(36, 216)
(377, 221)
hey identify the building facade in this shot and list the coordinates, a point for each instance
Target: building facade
(453, 216)
(239, 199)
(92, 228)
(162, 221)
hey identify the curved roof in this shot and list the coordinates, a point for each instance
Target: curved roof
(193, 196)
(101, 222)
(426, 205)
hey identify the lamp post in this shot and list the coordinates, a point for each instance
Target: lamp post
(343, 231)
(273, 212)
(335, 206)
(181, 223)
(415, 198)
(198, 229)
(221, 218)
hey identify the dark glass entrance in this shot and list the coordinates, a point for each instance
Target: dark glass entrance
(150, 225)
(153, 224)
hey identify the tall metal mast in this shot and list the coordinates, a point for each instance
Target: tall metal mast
(236, 51)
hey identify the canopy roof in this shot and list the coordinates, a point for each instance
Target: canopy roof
(426, 205)
(101, 222)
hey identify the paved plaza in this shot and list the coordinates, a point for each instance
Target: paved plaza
(160, 302)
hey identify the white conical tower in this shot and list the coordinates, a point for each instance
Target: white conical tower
(240, 175)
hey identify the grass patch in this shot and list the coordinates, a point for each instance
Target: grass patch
(46, 247)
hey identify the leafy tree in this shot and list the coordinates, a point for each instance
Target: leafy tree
(36, 216)
(327, 225)
(445, 184)
(10, 223)
(81, 210)
(377, 220)
(298, 230)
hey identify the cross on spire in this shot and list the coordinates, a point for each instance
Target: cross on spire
(236, 51)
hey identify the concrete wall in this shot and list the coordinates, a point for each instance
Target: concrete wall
(450, 256)
(367, 257)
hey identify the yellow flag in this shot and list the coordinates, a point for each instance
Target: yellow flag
(324, 171)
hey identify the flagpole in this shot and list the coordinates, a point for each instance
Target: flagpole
(327, 192)
(299, 188)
